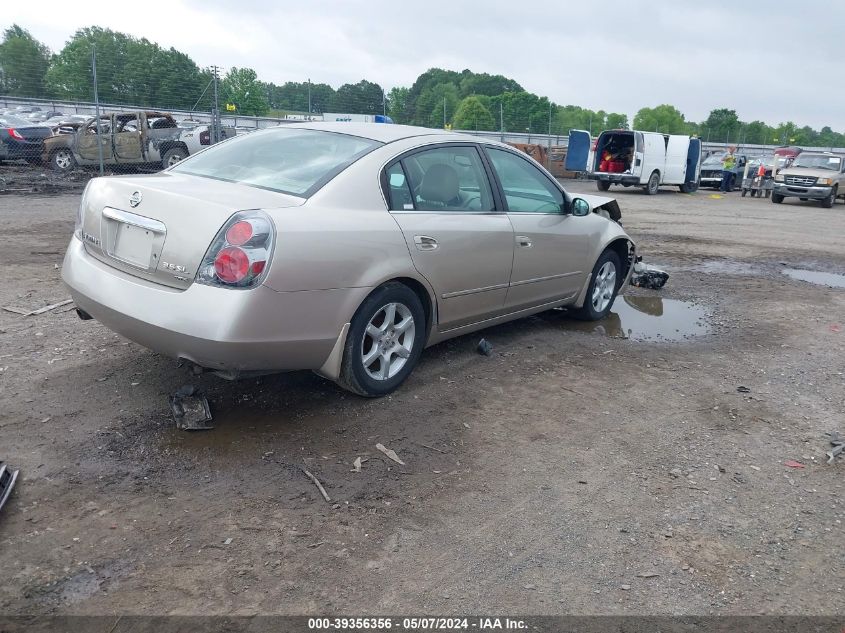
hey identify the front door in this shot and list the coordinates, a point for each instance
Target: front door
(127, 139)
(442, 200)
(89, 138)
(550, 245)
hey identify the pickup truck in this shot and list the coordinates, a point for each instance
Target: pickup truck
(137, 138)
(812, 176)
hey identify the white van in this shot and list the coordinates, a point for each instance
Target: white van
(633, 158)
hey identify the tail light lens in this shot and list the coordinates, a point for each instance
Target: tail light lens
(239, 254)
(205, 137)
(15, 134)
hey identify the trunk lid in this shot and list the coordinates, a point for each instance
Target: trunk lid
(159, 227)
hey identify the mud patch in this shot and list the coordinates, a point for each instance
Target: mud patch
(831, 280)
(728, 267)
(648, 319)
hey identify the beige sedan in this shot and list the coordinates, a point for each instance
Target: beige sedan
(341, 248)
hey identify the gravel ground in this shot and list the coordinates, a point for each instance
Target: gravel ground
(582, 470)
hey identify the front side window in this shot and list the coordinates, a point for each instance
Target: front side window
(527, 189)
(295, 161)
(448, 179)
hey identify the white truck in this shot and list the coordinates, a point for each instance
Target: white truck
(634, 158)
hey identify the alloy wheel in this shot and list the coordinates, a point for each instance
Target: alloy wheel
(604, 287)
(388, 341)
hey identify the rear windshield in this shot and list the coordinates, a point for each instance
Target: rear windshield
(289, 160)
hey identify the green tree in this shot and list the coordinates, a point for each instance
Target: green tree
(397, 100)
(365, 97)
(129, 71)
(616, 121)
(472, 115)
(241, 87)
(23, 64)
(430, 110)
(293, 96)
(663, 118)
(722, 125)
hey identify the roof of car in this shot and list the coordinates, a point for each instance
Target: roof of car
(381, 132)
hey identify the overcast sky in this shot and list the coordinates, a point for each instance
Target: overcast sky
(771, 61)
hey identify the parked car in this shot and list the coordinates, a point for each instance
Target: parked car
(43, 115)
(21, 139)
(711, 170)
(812, 176)
(136, 138)
(633, 158)
(344, 248)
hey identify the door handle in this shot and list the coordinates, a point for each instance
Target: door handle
(523, 241)
(425, 243)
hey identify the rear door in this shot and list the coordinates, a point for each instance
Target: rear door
(550, 245)
(578, 151)
(442, 200)
(654, 155)
(89, 138)
(693, 167)
(677, 149)
(127, 139)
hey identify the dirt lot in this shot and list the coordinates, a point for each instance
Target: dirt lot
(573, 471)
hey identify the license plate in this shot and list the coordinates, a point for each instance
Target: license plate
(134, 245)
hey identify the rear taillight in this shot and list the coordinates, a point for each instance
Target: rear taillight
(205, 138)
(239, 254)
(15, 134)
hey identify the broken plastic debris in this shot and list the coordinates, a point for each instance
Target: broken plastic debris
(647, 276)
(390, 453)
(485, 347)
(791, 463)
(7, 482)
(190, 410)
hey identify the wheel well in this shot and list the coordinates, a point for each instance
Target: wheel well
(166, 147)
(622, 248)
(422, 294)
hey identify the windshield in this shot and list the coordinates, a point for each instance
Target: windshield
(714, 160)
(818, 161)
(289, 160)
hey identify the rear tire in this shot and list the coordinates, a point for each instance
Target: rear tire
(745, 191)
(689, 187)
(653, 183)
(385, 340)
(602, 185)
(604, 284)
(173, 156)
(62, 160)
(777, 198)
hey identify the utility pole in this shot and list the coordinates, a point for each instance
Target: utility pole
(502, 121)
(97, 106)
(383, 103)
(309, 97)
(444, 113)
(215, 112)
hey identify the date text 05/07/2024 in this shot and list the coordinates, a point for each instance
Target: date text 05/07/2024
(416, 624)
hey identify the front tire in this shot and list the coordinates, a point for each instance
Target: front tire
(604, 284)
(777, 198)
(653, 183)
(385, 340)
(603, 185)
(828, 202)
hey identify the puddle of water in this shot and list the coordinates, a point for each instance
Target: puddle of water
(831, 280)
(727, 267)
(648, 319)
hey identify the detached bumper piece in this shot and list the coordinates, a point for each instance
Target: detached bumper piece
(647, 276)
(190, 410)
(7, 482)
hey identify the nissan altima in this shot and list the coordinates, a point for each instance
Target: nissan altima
(342, 248)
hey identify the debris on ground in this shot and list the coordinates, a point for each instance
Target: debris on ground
(7, 482)
(791, 463)
(838, 444)
(190, 410)
(356, 465)
(742, 389)
(485, 347)
(318, 484)
(647, 574)
(648, 276)
(47, 308)
(390, 453)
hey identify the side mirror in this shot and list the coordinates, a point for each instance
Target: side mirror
(580, 207)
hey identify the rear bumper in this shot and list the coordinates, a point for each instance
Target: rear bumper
(619, 179)
(796, 191)
(230, 330)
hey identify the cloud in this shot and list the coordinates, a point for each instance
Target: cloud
(766, 63)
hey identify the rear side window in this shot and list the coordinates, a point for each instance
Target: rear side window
(288, 160)
(448, 179)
